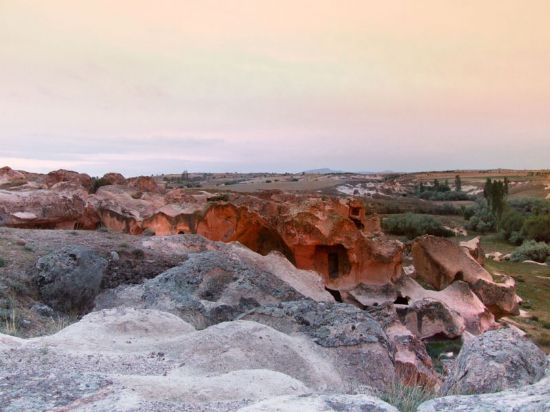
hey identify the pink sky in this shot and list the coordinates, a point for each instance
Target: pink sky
(160, 86)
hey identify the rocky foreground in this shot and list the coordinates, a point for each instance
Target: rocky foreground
(317, 311)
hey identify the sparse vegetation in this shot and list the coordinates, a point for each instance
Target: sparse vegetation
(98, 182)
(407, 397)
(531, 250)
(10, 324)
(412, 225)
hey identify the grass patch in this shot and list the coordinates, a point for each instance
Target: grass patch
(534, 289)
(406, 398)
(10, 324)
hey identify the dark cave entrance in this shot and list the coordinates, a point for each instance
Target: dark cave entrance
(332, 260)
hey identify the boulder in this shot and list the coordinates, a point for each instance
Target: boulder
(209, 287)
(353, 339)
(413, 365)
(70, 278)
(113, 179)
(440, 262)
(373, 295)
(47, 209)
(68, 176)
(128, 359)
(144, 184)
(530, 398)
(457, 297)
(473, 247)
(321, 403)
(495, 361)
(11, 178)
(429, 317)
(500, 298)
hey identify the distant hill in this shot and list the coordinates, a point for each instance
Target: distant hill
(323, 171)
(326, 170)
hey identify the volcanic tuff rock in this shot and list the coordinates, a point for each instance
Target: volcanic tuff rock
(69, 279)
(458, 297)
(332, 236)
(494, 361)
(146, 360)
(213, 286)
(440, 262)
(10, 177)
(350, 337)
(530, 398)
(473, 246)
(429, 317)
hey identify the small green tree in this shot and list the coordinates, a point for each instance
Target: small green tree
(458, 183)
(495, 194)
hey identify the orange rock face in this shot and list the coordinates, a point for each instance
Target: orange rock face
(332, 236)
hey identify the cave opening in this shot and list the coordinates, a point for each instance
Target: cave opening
(332, 260)
(402, 300)
(335, 294)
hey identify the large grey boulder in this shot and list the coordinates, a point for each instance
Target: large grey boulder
(531, 398)
(353, 339)
(69, 279)
(208, 288)
(321, 403)
(495, 361)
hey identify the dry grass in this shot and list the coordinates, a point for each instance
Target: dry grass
(407, 398)
(10, 325)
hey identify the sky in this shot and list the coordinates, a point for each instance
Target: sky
(146, 87)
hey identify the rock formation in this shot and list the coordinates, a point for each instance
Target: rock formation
(495, 361)
(69, 279)
(440, 262)
(10, 177)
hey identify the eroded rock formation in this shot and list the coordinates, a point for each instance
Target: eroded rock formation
(441, 262)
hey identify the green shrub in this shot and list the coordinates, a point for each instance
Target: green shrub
(530, 206)
(482, 219)
(511, 225)
(412, 225)
(537, 228)
(447, 196)
(97, 183)
(2, 262)
(531, 250)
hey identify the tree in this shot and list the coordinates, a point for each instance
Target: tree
(495, 193)
(458, 184)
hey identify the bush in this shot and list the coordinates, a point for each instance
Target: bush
(531, 250)
(97, 183)
(481, 220)
(537, 228)
(511, 225)
(447, 196)
(530, 206)
(412, 225)
(2, 262)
